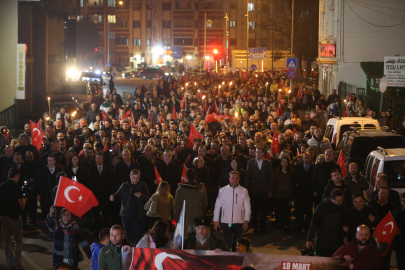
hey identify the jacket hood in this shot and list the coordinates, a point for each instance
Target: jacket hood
(192, 185)
(95, 246)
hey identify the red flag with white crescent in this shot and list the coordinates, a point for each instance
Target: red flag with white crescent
(174, 113)
(299, 94)
(106, 148)
(40, 120)
(193, 134)
(385, 233)
(158, 177)
(341, 163)
(275, 146)
(182, 103)
(187, 160)
(104, 114)
(201, 110)
(293, 132)
(162, 118)
(127, 114)
(345, 113)
(36, 135)
(183, 175)
(75, 197)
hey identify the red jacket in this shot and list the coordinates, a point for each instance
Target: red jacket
(370, 258)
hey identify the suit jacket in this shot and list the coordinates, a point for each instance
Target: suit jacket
(101, 185)
(259, 181)
(304, 181)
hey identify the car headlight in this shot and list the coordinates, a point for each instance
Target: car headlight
(166, 73)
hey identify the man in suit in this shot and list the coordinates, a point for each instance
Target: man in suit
(100, 180)
(304, 198)
(259, 183)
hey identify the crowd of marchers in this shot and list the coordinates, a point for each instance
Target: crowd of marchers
(233, 147)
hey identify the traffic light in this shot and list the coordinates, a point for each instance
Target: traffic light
(217, 54)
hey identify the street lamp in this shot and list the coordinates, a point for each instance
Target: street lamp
(206, 23)
(49, 105)
(120, 2)
(226, 40)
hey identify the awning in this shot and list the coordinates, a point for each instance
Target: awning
(373, 69)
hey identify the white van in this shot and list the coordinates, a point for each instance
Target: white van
(335, 127)
(389, 161)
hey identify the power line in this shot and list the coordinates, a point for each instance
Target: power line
(376, 25)
(379, 11)
(378, 5)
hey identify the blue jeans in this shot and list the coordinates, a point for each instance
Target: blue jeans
(132, 229)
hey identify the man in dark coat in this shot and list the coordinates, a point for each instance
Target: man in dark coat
(336, 182)
(100, 180)
(259, 183)
(327, 225)
(170, 170)
(147, 162)
(123, 168)
(382, 180)
(321, 176)
(304, 199)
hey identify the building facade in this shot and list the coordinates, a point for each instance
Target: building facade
(152, 31)
(355, 36)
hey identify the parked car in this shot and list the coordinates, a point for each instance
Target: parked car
(150, 73)
(388, 161)
(82, 92)
(357, 144)
(335, 127)
(130, 74)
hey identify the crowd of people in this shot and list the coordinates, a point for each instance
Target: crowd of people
(223, 130)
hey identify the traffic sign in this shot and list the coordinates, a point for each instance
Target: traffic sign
(291, 73)
(176, 63)
(253, 67)
(168, 63)
(257, 50)
(177, 52)
(292, 63)
(108, 65)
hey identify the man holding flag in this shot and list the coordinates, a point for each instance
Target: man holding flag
(362, 252)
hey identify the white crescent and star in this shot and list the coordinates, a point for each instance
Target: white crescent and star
(33, 132)
(392, 225)
(66, 193)
(162, 256)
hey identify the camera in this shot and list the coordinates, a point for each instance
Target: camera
(28, 187)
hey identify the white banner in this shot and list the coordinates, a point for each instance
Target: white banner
(20, 71)
(394, 70)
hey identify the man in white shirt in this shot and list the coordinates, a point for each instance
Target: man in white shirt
(235, 203)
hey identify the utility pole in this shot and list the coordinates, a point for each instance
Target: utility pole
(292, 37)
(247, 35)
(205, 40)
(226, 40)
(272, 34)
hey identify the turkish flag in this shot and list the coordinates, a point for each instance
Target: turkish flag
(186, 78)
(280, 110)
(248, 98)
(182, 103)
(132, 121)
(279, 96)
(341, 163)
(193, 134)
(294, 131)
(127, 114)
(162, 118)
(183, 175)
(75, 197)
(40, 120)
(158, 177)
(177, 259)
(275, 146)
(244, 75)
(252, 79)
(215, 107)
(104, 114)
(345, 113)
(174, 112)
(298, 151)
(106, 148)
(201, 111)
(351, 97)
(187, 160)
(219, 118)
(385, 233)
(299, 94)
(243, 95)
(36, 135)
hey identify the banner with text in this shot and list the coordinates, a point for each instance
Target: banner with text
(394, 70)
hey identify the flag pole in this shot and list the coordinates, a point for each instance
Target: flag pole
(184, 214)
